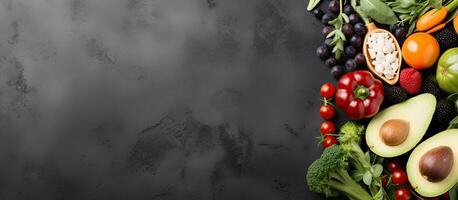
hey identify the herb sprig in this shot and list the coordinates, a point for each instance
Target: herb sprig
(339, 38)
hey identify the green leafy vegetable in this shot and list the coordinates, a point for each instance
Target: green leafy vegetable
(378, 11)
(410, 10)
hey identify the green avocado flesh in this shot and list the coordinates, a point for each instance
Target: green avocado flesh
(448, 138)
(418, 111)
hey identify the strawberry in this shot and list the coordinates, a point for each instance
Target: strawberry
(410, 80)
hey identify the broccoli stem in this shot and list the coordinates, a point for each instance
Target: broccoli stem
(342, 181)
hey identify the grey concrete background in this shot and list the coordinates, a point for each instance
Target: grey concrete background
(158, 99)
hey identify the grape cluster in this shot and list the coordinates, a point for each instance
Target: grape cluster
(354, 32)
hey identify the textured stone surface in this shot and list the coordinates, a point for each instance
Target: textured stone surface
(158, 99)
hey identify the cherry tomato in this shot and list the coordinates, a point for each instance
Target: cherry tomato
(329, 141)
(327, 111)
(327, 90)
(394, 165)
(384, 180)
(327, 127)
(402, 194)
(399, 177)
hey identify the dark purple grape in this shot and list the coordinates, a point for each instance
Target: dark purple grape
(348, 9)
(400, 33)
(337, 71)
(331, 62)
(326, 18)
(334, 6)
(354, 18)
(360, 29)
(323, 52)
(350, 51)
(318, 13)
(356, 41)
(393, 28)
(343, 58)
(347, 30)
(328, 41)
(350, 65)
(359, 59)
(326, 30)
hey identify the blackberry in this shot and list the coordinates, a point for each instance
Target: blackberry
(429, 86)
(445, 112)
(395, 94)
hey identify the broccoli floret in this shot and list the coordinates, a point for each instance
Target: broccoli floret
(350, 138)
(329, 176)
(351, 132)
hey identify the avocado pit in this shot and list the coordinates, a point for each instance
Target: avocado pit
(436, 164)
(394, 131)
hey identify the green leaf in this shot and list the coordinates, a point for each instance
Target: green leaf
(411, 28)
(341, 35)
(454, 99)
(454, 123)
(353, 3)
(367, 178)
(357, 175)
(367, 157)
(406, 3)
(453, 193)
(401, 10)
(332, 33)
(334, 21)
(312, 4)
(345, 18)
(377, 170)
(436, 4)
(338, 54)
(378, 11)
(363, 16)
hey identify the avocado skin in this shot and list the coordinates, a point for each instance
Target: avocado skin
(447, 37)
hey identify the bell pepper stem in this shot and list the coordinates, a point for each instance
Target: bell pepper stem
(361, 92)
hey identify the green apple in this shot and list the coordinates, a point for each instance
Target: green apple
(447, 71)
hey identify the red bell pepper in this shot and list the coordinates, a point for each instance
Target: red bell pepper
(359, 94)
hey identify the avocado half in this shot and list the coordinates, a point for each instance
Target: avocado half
(447, 138)
(417, 111)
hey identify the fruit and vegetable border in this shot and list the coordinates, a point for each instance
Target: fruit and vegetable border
(396, 68)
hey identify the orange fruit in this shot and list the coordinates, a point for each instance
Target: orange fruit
(420, 50)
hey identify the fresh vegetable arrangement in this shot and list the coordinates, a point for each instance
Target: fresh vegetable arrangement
(396, 65)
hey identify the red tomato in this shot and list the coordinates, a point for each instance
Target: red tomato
(402, 194)
(329, 141)
(327, 111)
(399, 177)
(327, 127)
(394, 165)
(327, 90)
